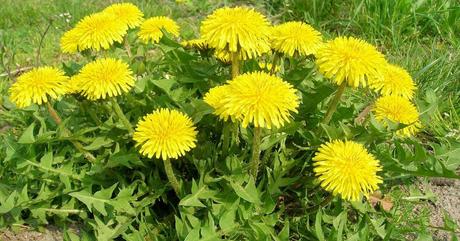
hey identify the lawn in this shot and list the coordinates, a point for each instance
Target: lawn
(420, 199)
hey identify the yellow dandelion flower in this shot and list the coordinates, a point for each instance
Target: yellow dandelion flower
(399, 110)
(165, 133)
(38, 86)
(395, 81)
(238, 29)
(151, 29)
(195, 43)
(73, 85)
(105, 77)
(292, 37)
(70, 41)
(215, 98)
(268, 66)
(345, 168)
(349, 59)
(226, 57)
(126, 13)
(99, 31)
(261, 99)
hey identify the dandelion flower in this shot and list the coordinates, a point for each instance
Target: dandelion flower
(99, 31)
(151, 29)
(70, 41)
(38, 86)
(105, 77)
(195, 43)
(226, 57)
(268, 66)
(73, 85)
(238, 29)
(126, 13)
(395, 81)
(261, 99)
(399, 110)
(165, 133)
(351, 60)
(215, 98)
(292, 37)
(345, 168)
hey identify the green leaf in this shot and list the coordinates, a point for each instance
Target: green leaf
(106, 232)
(192, 200)
(424, 236)
(128, 160)
(139, 87)
(69, 235)
(271, 140)
(7, 204)
(193, 235)
(122, 203)
(248, 193)
(96, 201)
(263, 232)
(339, 224)
(379, 226)
(283, 235)
(227, 221)
(318, 226)
(98, 143)
(47, 160)
(196, 109)
(27, 136)
(164, 84)
(181, 227)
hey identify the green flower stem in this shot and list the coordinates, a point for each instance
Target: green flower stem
(116, 107)
(226, 135)
(57, 119)
(276, 58)
(171, 177)
(230, 132)
(92, 114)
(127, 47)
(235, 129)
(334, 103)
(255, 159)
(235, 64)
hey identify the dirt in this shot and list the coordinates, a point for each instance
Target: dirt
(26, 234)
(447, 193)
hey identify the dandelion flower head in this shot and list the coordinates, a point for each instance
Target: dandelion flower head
(295, 37)
(395, 81)
(99, 31)
(151, 29)
(399, 110)
(215, 98)
(165, 134)
(38, 86)
(345, 168)
(126, 13)
(104, 78)
(261, 99)
(238, 29)
(351, 60)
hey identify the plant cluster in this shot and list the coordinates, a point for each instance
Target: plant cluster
(249, 132)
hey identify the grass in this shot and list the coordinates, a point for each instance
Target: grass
(30, 18)
(423, 36)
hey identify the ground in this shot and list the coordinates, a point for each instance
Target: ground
(447, 199)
